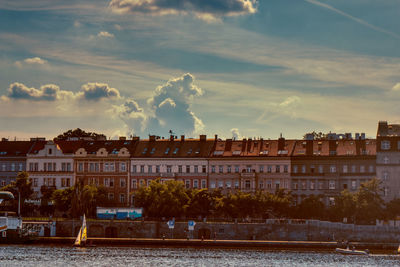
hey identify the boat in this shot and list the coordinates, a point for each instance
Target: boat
(348, 251)
(81, 239)
(11, 231)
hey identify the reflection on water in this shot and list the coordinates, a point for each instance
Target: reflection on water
(132, 256)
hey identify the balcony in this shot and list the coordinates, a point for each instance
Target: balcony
(248, 174)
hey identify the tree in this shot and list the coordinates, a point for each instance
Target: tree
(345, 207)
(200, 203)
(79, 134)
(46, 206)
(369, 203)
(392, 210)
(311, 208)
(63, 199)
(21, 185)
(168, 199)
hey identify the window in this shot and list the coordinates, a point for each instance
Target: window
(277, 185)
(31, 166)
(321, 169)
(354, 185)
(248, 168)
(110, 196)
(134, 183)
(122, 167)
(345, 169)
(148, 182)
(213, 168)
(187, 168)
(269, 169)
(149, 168)
(121, 198)
(295, 169)
(112, 167)
(157, 168)
(269, 184)
(141, 182)
(312, 185)
(133, 168)
(203, 184)
(107, 182)
(141, 168)
(285, 168)
(247, 184)
(385, 160)
(303, 185)
(12, 166)
(261, 184)
(221, 169)
(169, 168)
(63, 167)
(385, 191)
(385, 176)
(50, 151)
(179, 168)
(195, 183)
(35, 182)
(295, 186)
(277, 168)
(353, 168)
(91, 167)
(385, 145)
(362, 168)
(237, 168)
(312, 169)
(167, 151)
(204, 168)
(220, 184)
(321, 185)
(212, 185)
(371, 168)
(332, 185)
(20, 167)
(36, 166)
(196, 169)
(332, 168)
(236, 184)
(261, 168)
(122, 182)
(303, 168)
(229, 169)
(228, 184)
(3, 167)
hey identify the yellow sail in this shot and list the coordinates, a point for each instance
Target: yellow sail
(78, 238)
(398, 250)
(84, 230)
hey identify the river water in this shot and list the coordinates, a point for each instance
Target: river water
(15, 255)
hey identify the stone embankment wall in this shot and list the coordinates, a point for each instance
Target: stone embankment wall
(283, 230)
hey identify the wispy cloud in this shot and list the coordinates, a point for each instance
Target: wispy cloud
(358, 20)
(31, 61)
(104, 34)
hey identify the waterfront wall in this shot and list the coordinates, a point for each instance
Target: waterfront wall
(283, 230)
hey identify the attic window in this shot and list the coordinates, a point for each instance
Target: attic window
(3, 153)
(197, 151)
(218, 152)
(127, 142)
(167, 150)
(236, 152)
(190, 151)
(144, 150)
(264, 152)
(115, 151)
(176, 150)
(153, 150)
(91, 143)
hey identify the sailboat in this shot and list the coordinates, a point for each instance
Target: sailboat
(81, 239)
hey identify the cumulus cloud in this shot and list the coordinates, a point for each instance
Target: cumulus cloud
(48, 92)
(396, 87)
(104, 34)
(97, 91)
(235, 134)
(288, 107)
(168, 109)
(205, 9)
(31, 61)
(52, 92)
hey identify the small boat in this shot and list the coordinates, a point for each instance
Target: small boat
(81, 239)
(348, 251)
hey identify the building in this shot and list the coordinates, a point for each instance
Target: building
(249, 165)
(106, 163)
(388, 159)
(13, 159)
(326, 167)
(181, 159)
(51, 164)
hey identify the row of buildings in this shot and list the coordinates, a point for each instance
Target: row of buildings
(322, 167)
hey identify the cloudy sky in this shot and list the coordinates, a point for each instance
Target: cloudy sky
(227, 67)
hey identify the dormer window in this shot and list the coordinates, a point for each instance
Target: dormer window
(153, 150)
(190, 151)
(167, 151)
(385, 145)
(144, 150)
(176, 150)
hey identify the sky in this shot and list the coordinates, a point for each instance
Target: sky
(235, 68)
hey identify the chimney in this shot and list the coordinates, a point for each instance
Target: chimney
(152, 138)
(122, 138)
(332, 147)
(383, 128)
(182, 138)
(5, 139)
(348, 136)
(362, 136)
(309, 136)
(309, 147)
(171, 138)
(216, 137)
(135, 138)
(281, 143)
(357, 137)
(203, 137)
